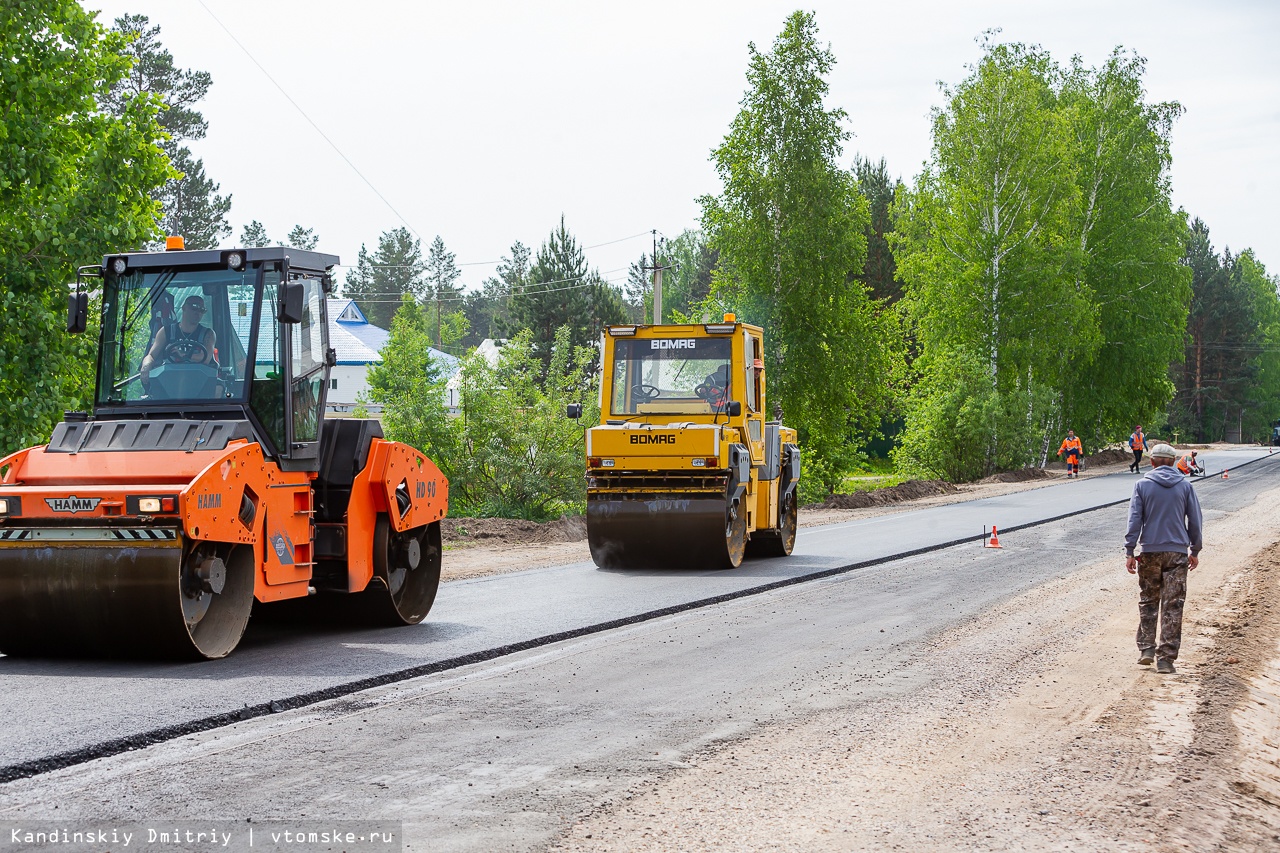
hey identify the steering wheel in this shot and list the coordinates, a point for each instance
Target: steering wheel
(645, 391)
(185, 350)
(713, 394)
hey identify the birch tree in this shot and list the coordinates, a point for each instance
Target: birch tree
(985, 251)
(1130, 246)
(789, 227)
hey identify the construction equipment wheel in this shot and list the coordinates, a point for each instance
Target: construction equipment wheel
(735, 536)
(782, 541)
(156, 598)
(406, 573)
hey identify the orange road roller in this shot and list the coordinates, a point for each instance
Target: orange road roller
(207, 477)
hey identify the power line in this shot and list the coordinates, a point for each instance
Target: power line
(509, 293)
(303, 113)
(489, 263)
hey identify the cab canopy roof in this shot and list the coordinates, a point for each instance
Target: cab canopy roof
(297, 258)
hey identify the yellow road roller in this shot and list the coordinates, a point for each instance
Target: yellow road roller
(686, 471)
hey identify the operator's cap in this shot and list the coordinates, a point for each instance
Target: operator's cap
(1164, 451)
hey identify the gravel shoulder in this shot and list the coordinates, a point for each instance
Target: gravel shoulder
(1041, 733)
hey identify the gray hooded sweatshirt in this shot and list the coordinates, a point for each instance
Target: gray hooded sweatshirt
(1164, 513)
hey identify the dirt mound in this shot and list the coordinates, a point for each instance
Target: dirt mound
(1107, 457)
(908, 491)
(1022, 475)
(513, 531)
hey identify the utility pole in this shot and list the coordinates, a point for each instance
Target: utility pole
(657, 280)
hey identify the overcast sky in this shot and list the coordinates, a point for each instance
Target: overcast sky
(483, 122)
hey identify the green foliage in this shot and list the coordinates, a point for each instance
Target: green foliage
(410, 384)
(75, 183)
(299, 237)
(520, 456)
(1262, 402)
(380, 279)
(1040, 245)
(686, 280)
(511, 451)
(254, 236)
(191, 206)
(960, 428)
(443, 291)
(564, 291)
(790, 230)
(1130, 245)
(152, 71)
(488, 310)
(879, 273)
(189, 200)
(1231, 375)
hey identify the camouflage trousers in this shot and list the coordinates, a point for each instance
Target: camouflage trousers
(1162, 589)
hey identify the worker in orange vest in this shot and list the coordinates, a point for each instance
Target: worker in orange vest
(1137, 443)
(1188, 464)
(1074, 450)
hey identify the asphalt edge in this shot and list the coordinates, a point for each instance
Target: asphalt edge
(129, 743)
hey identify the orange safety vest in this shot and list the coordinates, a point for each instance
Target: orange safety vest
(1072, 447)
(1138, 441)
(1185, 463)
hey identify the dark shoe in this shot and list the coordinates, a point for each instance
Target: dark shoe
(1165, 667)
(1146, 657)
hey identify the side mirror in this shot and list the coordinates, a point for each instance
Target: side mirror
(734, 408)
(574, 410)
(77, 313)
(291, 302)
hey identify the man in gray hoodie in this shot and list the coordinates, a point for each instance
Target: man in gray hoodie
(1164, 514)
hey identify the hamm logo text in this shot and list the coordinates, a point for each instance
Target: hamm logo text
(72, 504)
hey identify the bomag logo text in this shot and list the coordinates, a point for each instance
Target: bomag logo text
(653, 439)
(213, 501)
(683, 343)
(72, 504)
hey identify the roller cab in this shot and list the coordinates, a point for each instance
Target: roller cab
(685, 471)
(207, 477)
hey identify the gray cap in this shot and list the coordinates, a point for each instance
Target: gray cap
(1164, 451)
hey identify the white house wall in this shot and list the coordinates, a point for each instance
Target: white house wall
(352, 380)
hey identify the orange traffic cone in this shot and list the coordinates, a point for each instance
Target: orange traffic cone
(994, 541)
(1224, 474)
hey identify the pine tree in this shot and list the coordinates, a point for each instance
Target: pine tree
(564, 291)
(489, 310)
(254, 235)
(191, 204)
(380, 279)
(302, 238)
(879, 272)
(443, 296)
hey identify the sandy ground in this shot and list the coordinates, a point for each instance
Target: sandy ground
(1040, 733)
(514, 552)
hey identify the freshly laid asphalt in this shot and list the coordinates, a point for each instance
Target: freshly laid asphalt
(52, 707)
(509, 753)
